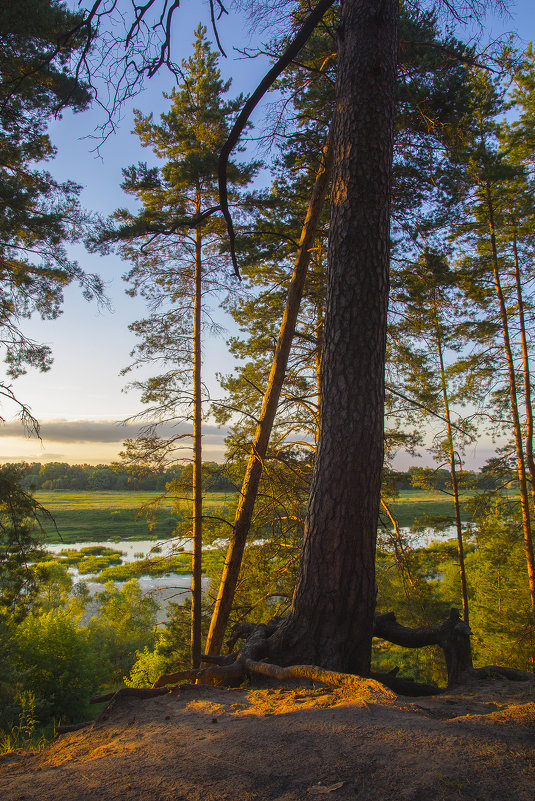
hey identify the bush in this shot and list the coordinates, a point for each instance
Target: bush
(146, 669)
(57, 663)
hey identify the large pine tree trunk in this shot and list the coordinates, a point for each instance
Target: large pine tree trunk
(331, 621)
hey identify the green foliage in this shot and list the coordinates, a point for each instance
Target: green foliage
(40, 214)
(25, 733)
(148, 666)
(123, 625)
(502, 622)
(172, 649)
(409, 580)
(19, 542)
(54, 584)
(58, 662)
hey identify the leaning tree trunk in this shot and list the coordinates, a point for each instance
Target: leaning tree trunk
(331, 621)
(251, 481)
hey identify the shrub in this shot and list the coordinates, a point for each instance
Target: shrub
(58, 664)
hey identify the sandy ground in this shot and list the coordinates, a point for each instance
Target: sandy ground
(290, 743)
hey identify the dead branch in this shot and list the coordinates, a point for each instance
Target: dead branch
(453, 636)
(72, 727)
(299, 40)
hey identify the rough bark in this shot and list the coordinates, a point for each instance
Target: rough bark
(249, 489)
(331, 620)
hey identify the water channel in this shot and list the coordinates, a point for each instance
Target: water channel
(171, 588)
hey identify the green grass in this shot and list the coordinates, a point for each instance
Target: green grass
(178, 563)
(98, 516)
(418, 504)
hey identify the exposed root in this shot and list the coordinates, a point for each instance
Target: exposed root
(136, 692)
(233, 669)
(311, 672)
(231, 675)
(453, 636)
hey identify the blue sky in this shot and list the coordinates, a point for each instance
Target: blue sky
(80, 401)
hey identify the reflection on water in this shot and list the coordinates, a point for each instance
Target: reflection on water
(130, 549)
(172, 588)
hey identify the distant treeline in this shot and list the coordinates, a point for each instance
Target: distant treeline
(429, 478)
(62, 476)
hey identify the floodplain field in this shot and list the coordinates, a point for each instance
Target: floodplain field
(419, 504)
(110, 517)
(113, 515)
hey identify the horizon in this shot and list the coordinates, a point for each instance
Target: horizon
(81, 401)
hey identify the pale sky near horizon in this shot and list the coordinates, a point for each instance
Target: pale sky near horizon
(80, 401)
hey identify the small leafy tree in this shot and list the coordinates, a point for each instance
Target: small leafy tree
(124, 624)
(58, 664)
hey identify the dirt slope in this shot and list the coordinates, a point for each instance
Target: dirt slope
(289, 743)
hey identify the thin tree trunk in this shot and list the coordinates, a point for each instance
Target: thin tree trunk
(401, 557)
(453, 470)
(320, 314)
(249, 489)
(331, 621)
(521, 470)
(525, 363)
(196, 579)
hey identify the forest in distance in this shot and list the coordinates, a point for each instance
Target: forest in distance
(216, 478)
(306, 527)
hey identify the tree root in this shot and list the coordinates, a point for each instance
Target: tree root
(136, 692)
(453, 636)
(500, 672)
(72, 727)
(231, 675)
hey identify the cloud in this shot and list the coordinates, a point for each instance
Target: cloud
(85, 431)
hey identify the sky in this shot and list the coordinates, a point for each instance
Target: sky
(81, 401)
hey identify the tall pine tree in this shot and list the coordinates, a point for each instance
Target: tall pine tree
(177, 264)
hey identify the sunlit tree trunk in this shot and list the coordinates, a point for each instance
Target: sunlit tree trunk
(249, 489)
(525, 363)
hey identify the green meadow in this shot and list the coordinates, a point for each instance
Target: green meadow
(81, 517)
(113, 515)
(411, 505)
